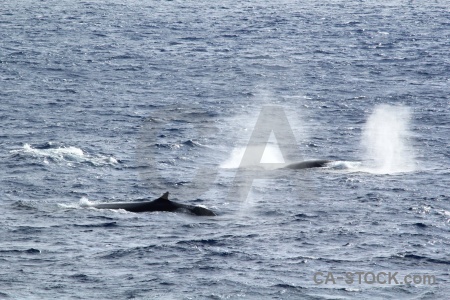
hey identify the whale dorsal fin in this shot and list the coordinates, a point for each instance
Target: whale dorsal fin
(165, 196)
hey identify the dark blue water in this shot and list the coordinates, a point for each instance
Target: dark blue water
(114, 101)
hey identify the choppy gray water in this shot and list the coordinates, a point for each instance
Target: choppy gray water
(119, 100)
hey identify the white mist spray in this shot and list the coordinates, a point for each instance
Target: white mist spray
(385, 140)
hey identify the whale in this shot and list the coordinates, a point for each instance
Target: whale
(161, 204)
(308, 164)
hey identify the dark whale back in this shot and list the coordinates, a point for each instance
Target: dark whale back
(308, 164)
(201, 211)
(161, 204)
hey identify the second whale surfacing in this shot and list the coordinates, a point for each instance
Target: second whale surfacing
(161, 204)
(318, 163)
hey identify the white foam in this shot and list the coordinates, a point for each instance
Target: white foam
(66, 154)
(344, 165)
(57, 154)
(84, 202)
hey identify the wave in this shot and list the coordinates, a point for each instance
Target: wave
(50, 153)
(26, 251)
(176, 146)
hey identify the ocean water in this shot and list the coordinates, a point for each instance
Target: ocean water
(104, 101)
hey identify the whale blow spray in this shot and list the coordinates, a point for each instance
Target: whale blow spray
(385, 140)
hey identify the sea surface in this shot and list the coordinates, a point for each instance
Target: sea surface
(109, 100)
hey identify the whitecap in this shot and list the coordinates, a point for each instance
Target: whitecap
(70, 155)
